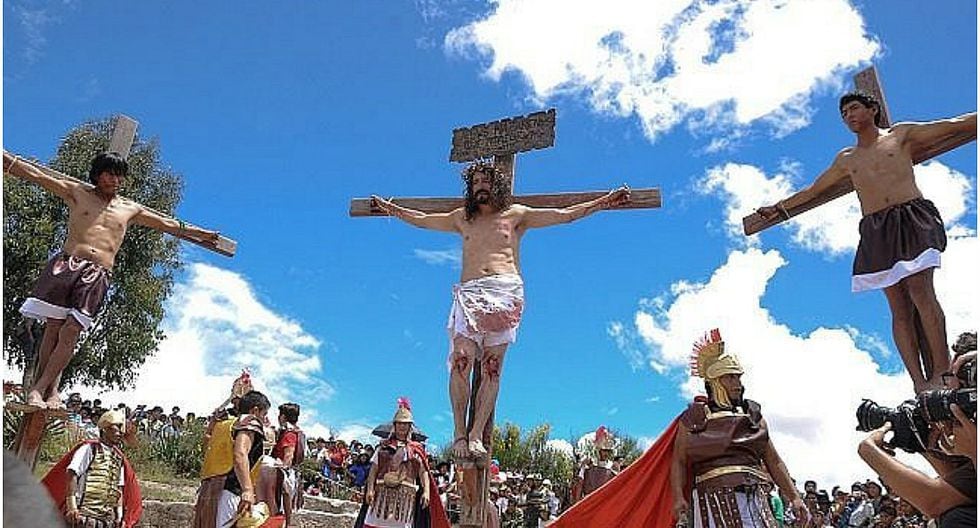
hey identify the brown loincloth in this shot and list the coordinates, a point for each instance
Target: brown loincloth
(897, 242)
(68, 286)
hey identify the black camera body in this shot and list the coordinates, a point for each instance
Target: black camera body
(912, 419)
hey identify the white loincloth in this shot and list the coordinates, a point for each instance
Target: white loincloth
(487, 310)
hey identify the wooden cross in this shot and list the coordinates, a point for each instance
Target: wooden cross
(866, 81)
(502, 140)
(30, 434)
(123, 135)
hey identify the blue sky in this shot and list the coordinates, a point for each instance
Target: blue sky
(277, 115)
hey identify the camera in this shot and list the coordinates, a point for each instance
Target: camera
(912, 418)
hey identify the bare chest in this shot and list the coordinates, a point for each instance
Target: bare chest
(91, 212)
(496, 231)
(878, 168)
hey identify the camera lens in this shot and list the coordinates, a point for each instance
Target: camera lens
(935, 405)
(871, 416)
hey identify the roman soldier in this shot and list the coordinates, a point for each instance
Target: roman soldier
(713, 467)
(400, 487)
(597, 472)
(723, 450)
(94, 484)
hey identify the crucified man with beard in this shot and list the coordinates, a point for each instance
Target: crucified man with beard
(489, 301)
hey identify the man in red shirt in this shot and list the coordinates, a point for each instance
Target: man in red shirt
(290, 451)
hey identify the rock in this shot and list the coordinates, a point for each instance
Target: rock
(157, 514)
(323, 504)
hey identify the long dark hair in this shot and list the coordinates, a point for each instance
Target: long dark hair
(500, 195)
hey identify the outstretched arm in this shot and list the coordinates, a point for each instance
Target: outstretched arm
(777, 469)
(18, 168)
(436, 221)
(923, 135)
(834, 175)
(544, 217)
(154, 220)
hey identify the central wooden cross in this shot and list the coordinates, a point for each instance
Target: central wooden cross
(502, 140)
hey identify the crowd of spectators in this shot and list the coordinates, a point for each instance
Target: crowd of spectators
(867, 504)
(153, 423)
(341, 470)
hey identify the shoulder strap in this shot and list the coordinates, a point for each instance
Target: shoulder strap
(695, 418)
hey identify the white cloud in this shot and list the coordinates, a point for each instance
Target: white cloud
(744, 188)
(957, 285)
(644, 442)
(436, 257)
(216, 326)
(808, 384)
(832, 227)
(563, 446)
(356, 431)
(718, 65)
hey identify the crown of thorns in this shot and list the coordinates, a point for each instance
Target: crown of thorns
(484, 166)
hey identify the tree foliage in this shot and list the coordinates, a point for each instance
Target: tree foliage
(126, 331)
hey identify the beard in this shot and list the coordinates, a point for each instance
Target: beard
(482, 196)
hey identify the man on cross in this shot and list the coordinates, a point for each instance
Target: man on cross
(489, 301)
(902, 234)
(73, 285)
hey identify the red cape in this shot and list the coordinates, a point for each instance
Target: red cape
(639, 497)
(57, 483)
(437, 514)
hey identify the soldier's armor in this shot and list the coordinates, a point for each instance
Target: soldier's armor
(594, 477)
(726, 451)
(101, 494)
(396, 485)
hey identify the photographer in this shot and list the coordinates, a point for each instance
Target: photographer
(949, 498)
(962, 438)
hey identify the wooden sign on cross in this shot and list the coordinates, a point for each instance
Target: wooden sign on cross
(502, 140)
(866, 81)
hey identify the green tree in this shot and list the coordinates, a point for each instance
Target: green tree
(528, 452)
(126, 331)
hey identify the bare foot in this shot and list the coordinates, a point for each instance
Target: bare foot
(460, 448)
(477, 449)
(54, 403)
(34, 399)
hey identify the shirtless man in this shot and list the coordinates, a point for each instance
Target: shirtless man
(489, 301)
(72, 287)
(902, 234)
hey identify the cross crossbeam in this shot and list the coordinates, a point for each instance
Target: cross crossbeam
(866, 81)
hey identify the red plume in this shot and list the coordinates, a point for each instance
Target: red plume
(710, 338)
(403, 402)
(601, 433)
